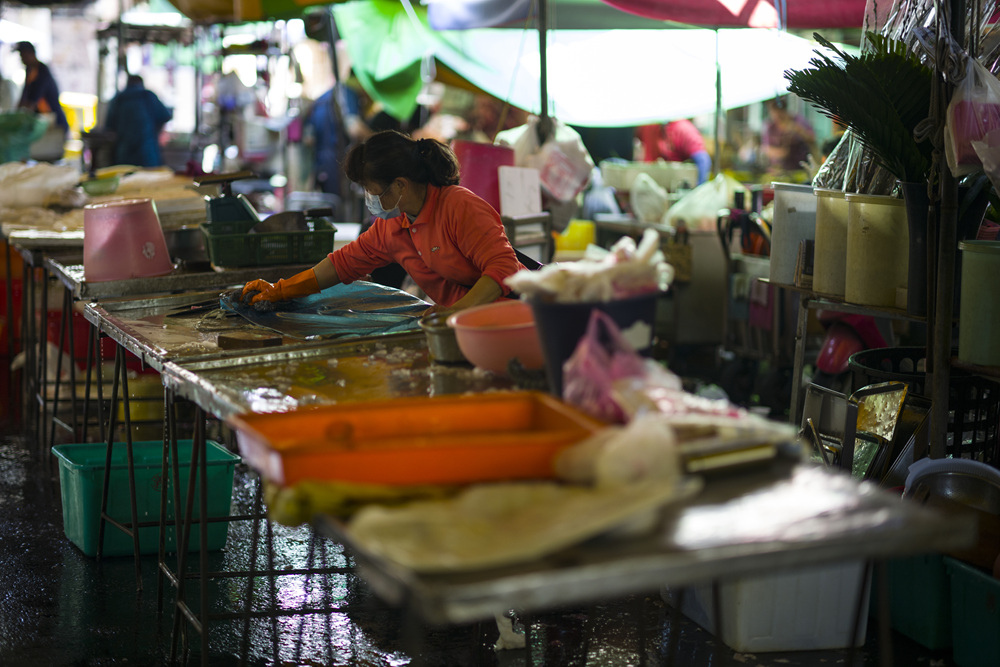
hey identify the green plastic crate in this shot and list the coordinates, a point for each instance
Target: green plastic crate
(230, 246)
(975, 615)
(18, 130)
(919, 599)
(81, 481)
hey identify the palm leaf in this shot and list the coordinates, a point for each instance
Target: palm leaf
(882, 94)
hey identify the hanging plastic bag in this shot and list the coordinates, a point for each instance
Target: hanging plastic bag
(602, 357)
(973, 114)
(563, 163)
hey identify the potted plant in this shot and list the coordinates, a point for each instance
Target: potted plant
(883, 95)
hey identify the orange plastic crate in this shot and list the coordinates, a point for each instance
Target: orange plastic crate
(445, 440)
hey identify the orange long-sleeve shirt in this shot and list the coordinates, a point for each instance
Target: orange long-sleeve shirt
(456, 239)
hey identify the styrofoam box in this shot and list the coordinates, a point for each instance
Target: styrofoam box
(802, 609)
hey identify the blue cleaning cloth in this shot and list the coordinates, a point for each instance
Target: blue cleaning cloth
(343, 311)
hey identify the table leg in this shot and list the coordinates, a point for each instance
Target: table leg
(93, 341)
(29, 346)
(11, 332)
(67, 310)
(859, 617)
(183, 611)
(168, 438)
(121, 374)
(43, 360)
(107, 462)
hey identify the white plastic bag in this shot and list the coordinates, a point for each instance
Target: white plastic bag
(699, 208)
(648, 199)
(563, 163)
(24, 185)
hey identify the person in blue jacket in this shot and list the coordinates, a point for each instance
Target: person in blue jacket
(136, 116)
(327, 136)
(40, 93)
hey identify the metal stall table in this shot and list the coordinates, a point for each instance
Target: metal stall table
(35, 246)
(77, 288)
(765, 522)
(390, 366)
(155, 329)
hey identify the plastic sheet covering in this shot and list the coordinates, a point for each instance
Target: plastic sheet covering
(358, 309)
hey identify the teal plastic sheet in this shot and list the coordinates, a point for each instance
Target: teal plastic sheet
(342, 311)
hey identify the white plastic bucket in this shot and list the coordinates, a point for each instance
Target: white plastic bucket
(877, 250)
(830, 252)
(979, 312)
(794, 221)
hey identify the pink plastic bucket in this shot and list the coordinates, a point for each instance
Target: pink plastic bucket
(123, 239)
(479, 163)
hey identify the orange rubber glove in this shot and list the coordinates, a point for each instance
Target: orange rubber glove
(301, 284)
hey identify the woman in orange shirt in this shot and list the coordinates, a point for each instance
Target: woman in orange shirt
(449, 240)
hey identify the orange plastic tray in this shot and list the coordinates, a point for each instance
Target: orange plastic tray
(444, 440)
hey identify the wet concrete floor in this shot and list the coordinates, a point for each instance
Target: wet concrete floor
(60, 607)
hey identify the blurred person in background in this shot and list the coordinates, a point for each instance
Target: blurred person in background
(787, 140)
(676, 141)
(137, 116)
(40, 93)
(331, 131)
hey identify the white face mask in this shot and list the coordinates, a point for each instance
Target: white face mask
(374, 204)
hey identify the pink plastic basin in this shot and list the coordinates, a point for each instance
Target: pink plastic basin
(491, 335)
(123, 239)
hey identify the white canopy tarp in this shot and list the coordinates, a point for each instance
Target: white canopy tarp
(626, 77)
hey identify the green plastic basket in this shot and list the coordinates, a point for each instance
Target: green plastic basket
(81, 482)
(230, 246)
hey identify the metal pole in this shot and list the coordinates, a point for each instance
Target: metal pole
(544, 122)
(947, 241)
(717, 162)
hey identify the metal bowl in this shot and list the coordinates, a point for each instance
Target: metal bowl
(961, 487)
(441, 341)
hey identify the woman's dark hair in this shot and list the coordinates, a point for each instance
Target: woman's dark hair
(386, 156)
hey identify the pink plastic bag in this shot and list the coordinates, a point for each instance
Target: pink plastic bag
(973, 114)
(602, 357)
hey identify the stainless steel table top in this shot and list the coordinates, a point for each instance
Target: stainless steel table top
(287, 378)
(142, 326)
(71, 274)
(767, 522)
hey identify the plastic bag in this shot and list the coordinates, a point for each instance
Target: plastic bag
(602, 357)
(699, 209)
(973, 114)
(563, 163)
(648, 199)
